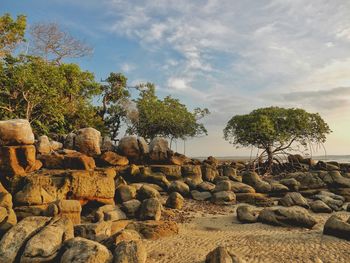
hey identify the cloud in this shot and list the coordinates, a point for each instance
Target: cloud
(127, 67)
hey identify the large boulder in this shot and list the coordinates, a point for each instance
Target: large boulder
(133, 148)
(172, 172)
(159, 151)
(87, 141)
(131, 207)
(256, 199)
(247, 214)
(146, 192)
(94, 231)
(335, 202)
(224, 197)
(7, 216)
(130, 252)
(151, 209)
(193, 173)
(293, 198)
(112, 159)
(209, 172)
(154, 229)
(319, 206)
(239, 187)
(68, 160)
(122, 235)
(109, 213)
(201, 196)
(66, 209)
(283, 216)
(125, 193)
(335, 226)
(16, 132)
(43, 145)
(254, 180)
(180, 187)
(79, 249)
(291, 183)
(17, 236)
(175, 201)
(222, 255)
(45, 245)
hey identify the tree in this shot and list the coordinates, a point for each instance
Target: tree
(54, 98)
(167, 117)
(275, 130)
(51, 42)
(115, 99)
(11, 33)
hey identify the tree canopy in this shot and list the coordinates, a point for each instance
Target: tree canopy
(166, 117)
(275, 130)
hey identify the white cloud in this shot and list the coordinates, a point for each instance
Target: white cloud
(127, 67)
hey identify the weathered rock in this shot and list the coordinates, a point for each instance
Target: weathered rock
(122, 235)
(151, 209)
(229, 171)
(283, 216)
(113, 159)
(319, 206)
(79, 249)
(246, 214)
(224, 197)
(238, 187)
(335, 226)
(45, 245)
(43, 145)
(131, 208)
(291, 183)
(109, 213)
(159, 151)
(209, 173)
(175, 200)
(133, 148)
(154, 229)
(180, 187)
(224, 185)
(18, 235)
(172, 172)
(16, 132)
(256, 199)
(130, 252)
(55, 145)
(71, 160)
(107, 144)
(192, 172)
(125, 193)
(87, 141)
(278, 188)
(18, 160)
(201, 196)
(146, 192)
(206, 186)
(335, 202)
(294, 198)
(7, 215)
(94, 231)
(33, 195)
(67, 209)
(179, 159)
(253, 179)
(222, 255)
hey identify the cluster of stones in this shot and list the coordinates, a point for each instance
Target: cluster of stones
(84, 199)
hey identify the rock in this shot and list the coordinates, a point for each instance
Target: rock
(283, 216)
(159, 151)
(253, 179)
(335, 202)
(175, 201)
(16, 132)
(113, 159)
(291, 183)
(67, 209)
(55, 145)
(125, 193)
(335, 226)
(179, 159)
(180, 187)
(238, 187)
(131, 208)
(72, 160)
(172, 172)
(43, 145)
(154, 229)
(109, 213)
(7, 216)
(291, 199)
(222, 255)
(130, 252)
(206, 186)
(33, 195)
(319, 206)
(133, 148)
(246, 214)
(229, 171)
(87, 141)
(69, 141)
(45, 245)
(18, 235)
(18, 160)
(94, 231)
(79, 249)
(201, 196)
(327, 166)
(224, 197)
(122, 235)
(212, 161)
(278, 188)
(335, 179)
(224, 185)
(151, 209)
(107, 145)
(256, 199)
(192, 172)
(146, 192)
(209, 173)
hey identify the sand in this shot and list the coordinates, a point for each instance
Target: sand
(209, 226)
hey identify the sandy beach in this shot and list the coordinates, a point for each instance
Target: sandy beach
(251, 242)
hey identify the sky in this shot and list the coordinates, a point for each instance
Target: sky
(231, 56)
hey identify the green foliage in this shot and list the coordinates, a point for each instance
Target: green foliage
(275, 129)
(11, 32)
(115, 97)
(167, 117)
(54, 98)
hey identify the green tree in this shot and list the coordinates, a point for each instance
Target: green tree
(54, 98)
(115, 98)
(11, 33)
(275, 130)
(168, 117)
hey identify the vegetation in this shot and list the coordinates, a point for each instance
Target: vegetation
(168, 117)
(275, 130)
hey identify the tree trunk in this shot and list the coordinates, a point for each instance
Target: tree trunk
(269, 161)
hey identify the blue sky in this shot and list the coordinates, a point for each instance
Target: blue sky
(228, 55)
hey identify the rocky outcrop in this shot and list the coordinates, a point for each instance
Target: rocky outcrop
(109, 213)
(253, 179)
(112, 159)
(67, 159)
(159, 151)
(8, 217)
(319, 206)
(294, 198)
(122, 235)
(87, 141)
(335, 226)
(125, 193)
(223, 197)
(66, 209)
(222, 255)
(130, 252)
(133, 148)
(151, 209)
(154, 229)
(16, 132)
(175, 201)
(247, 214)
(180, 187)
(131, 208)
(94, 231)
